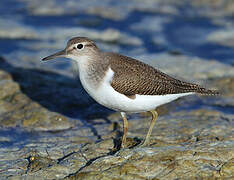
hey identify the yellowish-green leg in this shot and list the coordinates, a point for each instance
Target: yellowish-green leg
(125, 129)
(154, 118)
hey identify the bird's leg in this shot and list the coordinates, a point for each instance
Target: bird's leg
(154, 118)
(125, 129)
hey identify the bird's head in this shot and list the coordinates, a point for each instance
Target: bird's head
(77, 48)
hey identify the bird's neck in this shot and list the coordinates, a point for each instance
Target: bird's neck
(92, 69)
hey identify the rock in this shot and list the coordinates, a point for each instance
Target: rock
(199, 69)
(50, 8)
(153, 163)
(107, 35)
(17, 109)
(227, 169)
(38, 108)
(14, 30)
(214, 8)
(199, 147)
(171, 7)
(223, 37)
(106, 12)
(8, 88)
(31, 107)
(226, 85)
(51, 129)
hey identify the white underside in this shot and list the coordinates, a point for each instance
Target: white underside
(107, 96)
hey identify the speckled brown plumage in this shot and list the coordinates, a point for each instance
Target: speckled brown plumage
(134, 77)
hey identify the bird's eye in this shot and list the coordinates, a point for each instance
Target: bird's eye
(80, 46)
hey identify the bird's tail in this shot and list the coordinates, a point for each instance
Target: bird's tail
(204, 91)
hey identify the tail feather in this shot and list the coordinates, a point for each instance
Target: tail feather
(191, 87)
(204, 91)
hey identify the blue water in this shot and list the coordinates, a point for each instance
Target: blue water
(182, 33)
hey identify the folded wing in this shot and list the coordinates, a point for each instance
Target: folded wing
(134, 77)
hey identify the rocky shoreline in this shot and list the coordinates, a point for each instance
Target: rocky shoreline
(49, 144)
(51, 129)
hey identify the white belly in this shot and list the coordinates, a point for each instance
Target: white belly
(107, 96)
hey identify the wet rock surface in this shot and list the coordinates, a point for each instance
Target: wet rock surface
(51, 129)
(47, 143)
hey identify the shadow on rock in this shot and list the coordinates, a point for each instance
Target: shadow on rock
(55, 92)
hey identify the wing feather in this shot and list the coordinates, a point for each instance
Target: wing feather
(134, 77)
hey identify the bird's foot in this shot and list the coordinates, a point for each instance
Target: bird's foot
(130, 143)
(144, 143)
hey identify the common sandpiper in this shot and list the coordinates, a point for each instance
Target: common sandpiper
(124, 84)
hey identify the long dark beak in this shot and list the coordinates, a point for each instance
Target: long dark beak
(56, 55)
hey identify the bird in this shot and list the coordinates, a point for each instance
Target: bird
(124, 84)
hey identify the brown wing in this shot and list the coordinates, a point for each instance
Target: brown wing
(134, 77)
